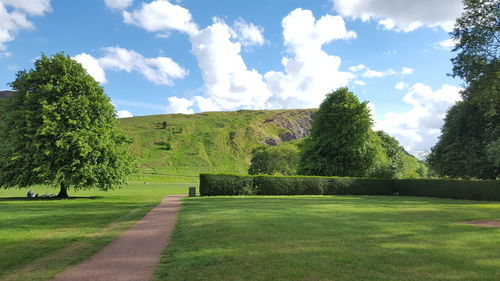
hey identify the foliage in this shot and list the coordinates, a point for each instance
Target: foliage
(461, 150)
(164, 124)
(476, 34)
(342, 142)
(204, 145)
(466, 147)
(59, 128)
(282, 159)
(393, 167)
(215, 185)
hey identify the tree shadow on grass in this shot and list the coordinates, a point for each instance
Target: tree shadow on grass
(47, 198)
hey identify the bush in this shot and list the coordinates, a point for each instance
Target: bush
(359, 186)
(213, 185)
(456, 189)
(269, 185)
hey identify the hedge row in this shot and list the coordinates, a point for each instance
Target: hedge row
(222, 184)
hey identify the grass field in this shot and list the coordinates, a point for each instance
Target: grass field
(332, 238)
(39, 238)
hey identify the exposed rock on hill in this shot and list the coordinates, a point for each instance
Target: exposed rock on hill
(5, 94)
(297, 124)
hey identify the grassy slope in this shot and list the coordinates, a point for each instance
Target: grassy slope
(332, 238)
(40, 238)
(205, 142)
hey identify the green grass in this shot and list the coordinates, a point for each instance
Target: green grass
(332, 238)
(204, 142)
(39, 238)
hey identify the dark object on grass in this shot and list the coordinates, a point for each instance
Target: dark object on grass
(32, 195)
(192, 191)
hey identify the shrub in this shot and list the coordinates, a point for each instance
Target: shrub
(213, 185)
(269, 185)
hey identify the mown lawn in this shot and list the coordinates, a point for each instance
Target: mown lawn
(39, 238)
(332, 238)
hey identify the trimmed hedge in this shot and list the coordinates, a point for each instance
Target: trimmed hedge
(223, 184)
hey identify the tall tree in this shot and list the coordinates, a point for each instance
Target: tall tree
(59, 128)
(471, 130)
(477, 37)
(342, 142)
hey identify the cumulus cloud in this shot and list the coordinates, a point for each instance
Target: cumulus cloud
(248, 34)
(447, 44)
(359, 82)
(16, 19)
(162, 16)
(179, 105)
(124, 114)
(401, 85)
(418, 129)
(406, 70)
(403, 15)
(159, 70)
(92, 66)
(118, 4)
(308, 73)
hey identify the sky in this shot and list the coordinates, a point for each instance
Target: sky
(189, 56)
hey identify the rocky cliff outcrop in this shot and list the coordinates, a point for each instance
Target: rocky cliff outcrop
(5, 94)
(297, 123)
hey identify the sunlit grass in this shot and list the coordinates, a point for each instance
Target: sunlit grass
(39, 238)
(332, 238)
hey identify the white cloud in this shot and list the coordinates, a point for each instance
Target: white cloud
(419, 128)
(447, 44)
(159, 70)
(406, 71)
(359, 82)
(92, 66)
(30, 7)
(403, 15)
(118, 4)
(309, 72)
(357, 68)
(370, 73)
(162, 16)
(401, 85)
(124, 114)
(179, 105)
(249, 34)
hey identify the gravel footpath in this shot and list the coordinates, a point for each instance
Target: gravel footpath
(135, 254)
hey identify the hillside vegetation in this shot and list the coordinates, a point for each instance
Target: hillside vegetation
(179, 147)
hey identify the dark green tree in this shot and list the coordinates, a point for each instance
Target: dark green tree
(477, 37)
(282, 159)
(462, 148)
(473, 126)
(59, 129)
(395, 164)
(342, 142)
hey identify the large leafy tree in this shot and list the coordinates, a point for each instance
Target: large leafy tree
(282, 160)
(472, 127)
(342, 142)
(59, 128)
(477, 37)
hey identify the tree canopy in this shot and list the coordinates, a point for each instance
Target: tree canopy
(342, 142)
(282, 159)
(468, 146)
(59, 128)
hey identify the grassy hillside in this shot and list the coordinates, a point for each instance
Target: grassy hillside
(206, 142)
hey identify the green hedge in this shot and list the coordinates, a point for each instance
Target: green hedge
(222, 184)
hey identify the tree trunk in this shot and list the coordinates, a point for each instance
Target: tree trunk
(63, 193)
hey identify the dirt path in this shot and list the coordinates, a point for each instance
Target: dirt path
(135, 254)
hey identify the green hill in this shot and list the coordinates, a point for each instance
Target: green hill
(179, 146)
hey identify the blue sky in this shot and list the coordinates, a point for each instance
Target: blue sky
(156, 57)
